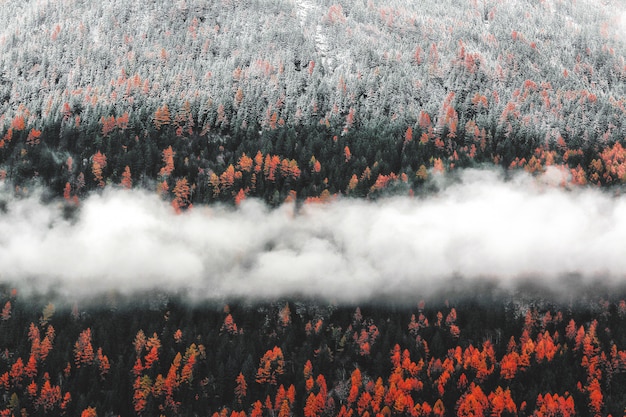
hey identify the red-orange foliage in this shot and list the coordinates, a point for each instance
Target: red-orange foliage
(127, 180)
(108, 124)
(311, 407)
(570, 330)
(181, 194)
(285, 316)
(363, 403)
(354, 181)
(508, 365)
(590, 341)
(18, 123)
(595, 397)
(271, 366)
(151, 357)
(595, 169)
(67, 398)
(270, 166)
(554, 405)
(245, 163)
(241, 195)
(189, 360)
(162, 117)
(214, 181)
(614, 159)
(168, 160)
(349, 120)
(285, 409)
(31, 367)
(140, 342)
(473, 403)
(382, 181)
(455, 332)
(500, 401)
(83, 350)
(579, 177)
(416, 325)
(308, 373)
(7, 137)
(103, 363)
(229, 325)
(289, 168)
(241, 388)
(171, 382)
(257, 409)
(142, 387)
(89, 412)
(32, 389)
(356, 382)
(281, 395)
(122, 121)
(227, 179)
(424, 121)
(438, 165)
(35, 339)
(317, 167)
(258, 162)
(33, 137)
(335, 14)
(408, 134)
(545, 347)
(578, 341)
(438, 408)
(50, 395)
(99, 162)
(6, 311)
(67, 191)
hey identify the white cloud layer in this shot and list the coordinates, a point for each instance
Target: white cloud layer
(480, 227)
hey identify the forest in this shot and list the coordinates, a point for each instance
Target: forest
(229, 100)
(275, 208)
(467, 356)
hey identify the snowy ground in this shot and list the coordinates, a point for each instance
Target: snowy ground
(310, 15)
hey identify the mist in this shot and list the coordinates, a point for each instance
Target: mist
(479, 227)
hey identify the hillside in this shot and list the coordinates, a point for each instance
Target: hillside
(156, 355)
(302, 99)
(312, 208)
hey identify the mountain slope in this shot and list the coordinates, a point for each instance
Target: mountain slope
(488, 81)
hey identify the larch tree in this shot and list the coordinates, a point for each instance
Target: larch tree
(83, 350)
(127, 181)
(168, 160)
(99, 162)
(241, 388)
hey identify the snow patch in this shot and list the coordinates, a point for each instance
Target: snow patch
(622, 25)
(311, 14)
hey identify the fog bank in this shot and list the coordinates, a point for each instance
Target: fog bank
(480, 227)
